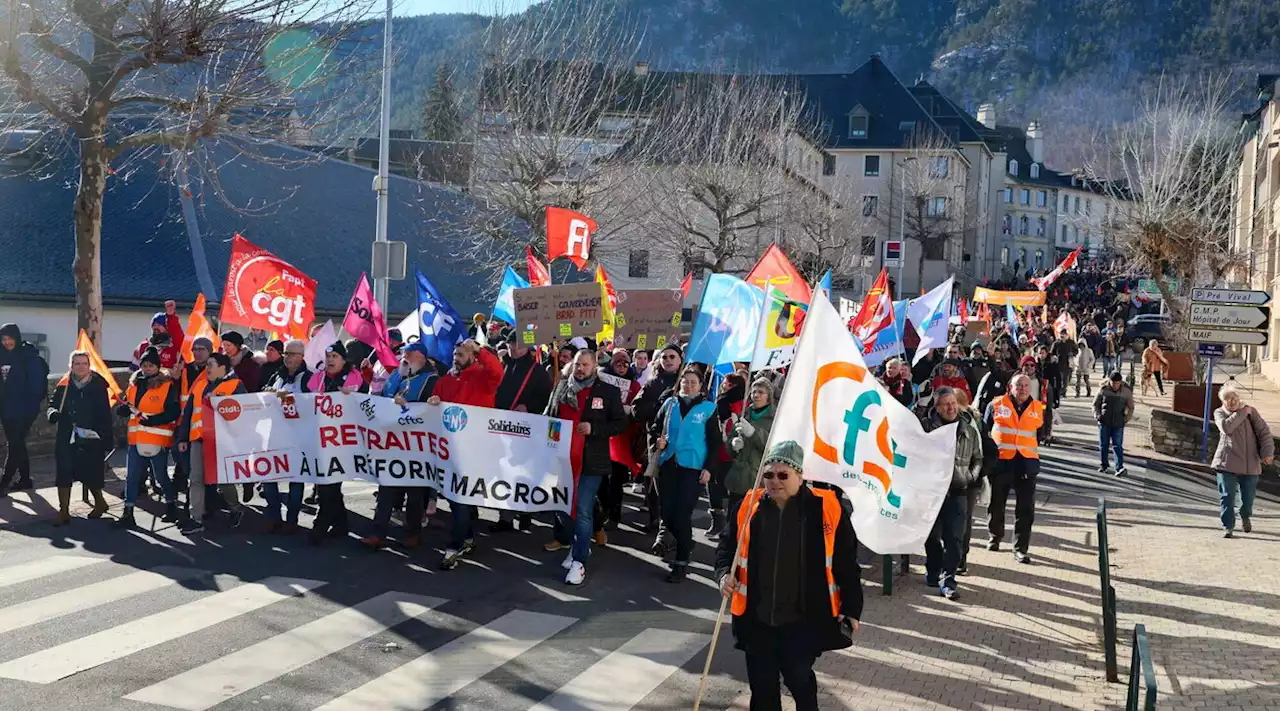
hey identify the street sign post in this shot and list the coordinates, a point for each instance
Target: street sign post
(1211, 350)
(893, 254)
(1230, 316)
(1231, 296)
(1223, 335)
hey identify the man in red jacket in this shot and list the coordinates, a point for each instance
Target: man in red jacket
(473, 381)
(166, 337)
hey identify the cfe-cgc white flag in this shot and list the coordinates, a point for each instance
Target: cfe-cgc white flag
(931, 315)
(859, 438)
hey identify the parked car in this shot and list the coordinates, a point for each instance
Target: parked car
(1144, 327)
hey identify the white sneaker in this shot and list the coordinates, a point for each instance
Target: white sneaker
(577, 573)
(568, 561)
(638, 488)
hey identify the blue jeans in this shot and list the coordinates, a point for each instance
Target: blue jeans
(136, 468)
(945, 545)
(583, 524)
(1227, 485)
(1112, 437)
(1108, 365)
(293, 502)
(463, 515)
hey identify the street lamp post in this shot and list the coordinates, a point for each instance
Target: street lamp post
(381, 183)
(902, 226)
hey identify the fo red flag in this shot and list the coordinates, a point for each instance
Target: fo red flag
(1044, 282)
(876, 313)
(569, 235)
(775, 270)
(266, 292)
(538, 274)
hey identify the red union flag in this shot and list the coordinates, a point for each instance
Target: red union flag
(538, 274)
(569, 235)
(876, 313)
(266, 292)
(775, 270)
(1044, 282)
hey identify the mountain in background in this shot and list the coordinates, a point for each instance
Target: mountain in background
(1067, 62)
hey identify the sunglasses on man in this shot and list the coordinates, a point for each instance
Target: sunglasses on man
(780, 476)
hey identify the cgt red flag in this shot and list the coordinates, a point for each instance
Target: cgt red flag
(569, 235)
(266, 292)
(538, 274)
(774, 269)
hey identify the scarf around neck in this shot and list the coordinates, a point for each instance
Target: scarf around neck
(572, 387)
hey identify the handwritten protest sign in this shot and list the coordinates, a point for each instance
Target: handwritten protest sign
(560, 311)
(647, 318)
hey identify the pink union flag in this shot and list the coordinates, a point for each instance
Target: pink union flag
(364, 321)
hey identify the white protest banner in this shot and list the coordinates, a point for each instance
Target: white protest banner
(859, 438)
(473, 455)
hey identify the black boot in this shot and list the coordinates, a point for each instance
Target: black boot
(171, 514)
(24, 484)
(126, 519)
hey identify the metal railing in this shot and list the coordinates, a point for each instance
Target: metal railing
(1141, 660)
(1108, 594)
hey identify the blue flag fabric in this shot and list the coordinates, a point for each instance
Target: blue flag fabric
(1012, 319)
(728, 318)
(824, 285)
(440, 326)
(505, 308)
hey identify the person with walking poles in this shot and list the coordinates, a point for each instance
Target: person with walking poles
(1244, 445)
(1014, 422)
(944, 547)
(1113, 408)
(788, 565)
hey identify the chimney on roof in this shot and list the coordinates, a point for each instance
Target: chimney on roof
(987, 115)
(1035, 142)
(642, 69)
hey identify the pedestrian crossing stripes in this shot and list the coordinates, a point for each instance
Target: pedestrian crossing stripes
(616, 680)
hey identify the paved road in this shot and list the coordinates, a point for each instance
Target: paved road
(95, 618)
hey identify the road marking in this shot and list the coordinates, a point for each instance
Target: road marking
(36, 569)
(49, 607)
(627, 675)
(210, 684)
(440, 673)
(60, 662)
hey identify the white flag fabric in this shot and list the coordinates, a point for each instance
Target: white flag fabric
(931, 315)
(779, 330)
(857, 437)
(317, 345)
(411, 325)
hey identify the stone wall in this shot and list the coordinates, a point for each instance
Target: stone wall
(1178, 435)
(40, 443)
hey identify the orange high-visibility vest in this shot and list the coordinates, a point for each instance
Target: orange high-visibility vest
(1015, 434)
(151, 403)
(225, 387)
(831, 515)
(188, 385)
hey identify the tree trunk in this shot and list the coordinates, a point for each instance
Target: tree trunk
(920, 272)
(87, 266)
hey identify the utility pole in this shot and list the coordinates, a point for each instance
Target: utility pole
(381, 183)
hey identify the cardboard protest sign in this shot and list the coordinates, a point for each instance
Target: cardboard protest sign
(647, 318)
(978, 331)
(557, 312)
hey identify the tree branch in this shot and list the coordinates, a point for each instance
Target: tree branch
(28, 91)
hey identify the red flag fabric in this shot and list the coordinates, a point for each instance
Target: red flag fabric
(687, 284)
(538, 274)
(964, 312)
(569, 235)
(365, 323)
(774, 269)
(266, 292)
(1048, 279)
(876, 313)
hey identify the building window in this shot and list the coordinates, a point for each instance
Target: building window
(828, 164)
(1007, 195)
(1108, 213)
(1004, 256)
(1075, 233)
(1077, 204)
(1035, 170)
(870, 204)
(1066, 203)
(1040, 227)
(1063, 240)
(1023, 225)
(871, 165)
(937, 207)
(1024, 197)
(1013, 167)
(1022, 258)
(1088, 206)
(638, 264)
(939, 167)
(1039, 259)
(859, 122)
(868, 245)
(1042, 198)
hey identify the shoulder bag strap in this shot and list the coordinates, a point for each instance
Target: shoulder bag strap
(516, 401)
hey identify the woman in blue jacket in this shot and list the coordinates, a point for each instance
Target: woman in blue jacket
(689, 441)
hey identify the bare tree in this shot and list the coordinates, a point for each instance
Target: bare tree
(122, 78)
(718, 177)
(1176, 163)
(559, 93)
(826, 229)
(929, 194)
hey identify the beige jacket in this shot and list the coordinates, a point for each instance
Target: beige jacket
(1244, 441)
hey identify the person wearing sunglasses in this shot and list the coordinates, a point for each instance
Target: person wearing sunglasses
(789, 566)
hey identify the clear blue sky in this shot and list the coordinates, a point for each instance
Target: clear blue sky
(485, 7)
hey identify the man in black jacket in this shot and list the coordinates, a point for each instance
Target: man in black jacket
(595, 409)
(525, 387)
(785, 615)
(1112, 408)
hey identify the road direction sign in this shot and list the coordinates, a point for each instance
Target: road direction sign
(1211, 350)
(1222, 335)
(1231, 296)
(1225, 316)
(1148, 289)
